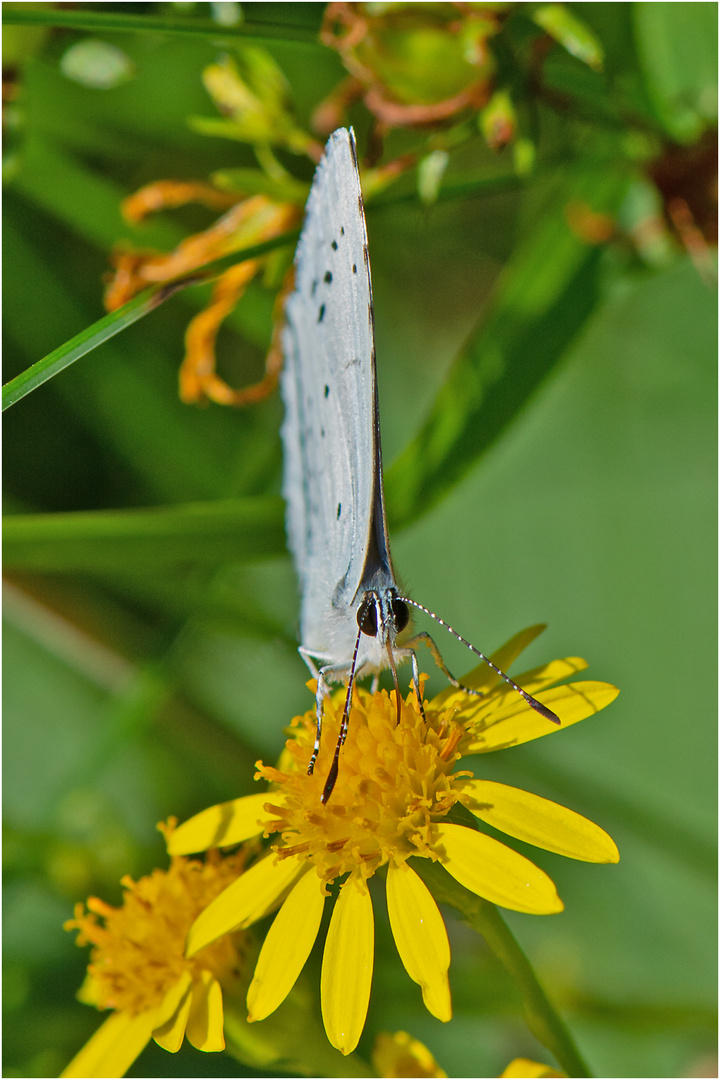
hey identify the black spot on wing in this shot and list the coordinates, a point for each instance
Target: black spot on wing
(354, 269)
(313, 287)
(328, 277)
(342, 230)
(334, 245)
(321, 313)
(327, 391)
(339, 511)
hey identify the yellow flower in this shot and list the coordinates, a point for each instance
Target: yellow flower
(524, 1067)
(401, 1055)
(398, 796)
(138, 968)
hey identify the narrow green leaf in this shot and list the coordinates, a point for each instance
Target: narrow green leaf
(544, 297)
(122, 22)
(241, 530)
(84, 342)
(677, 51)
(104, 329)
(561, 24)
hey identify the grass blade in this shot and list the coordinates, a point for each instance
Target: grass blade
(148, 539)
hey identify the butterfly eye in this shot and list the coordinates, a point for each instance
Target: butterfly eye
(367, 618)
(401, 615)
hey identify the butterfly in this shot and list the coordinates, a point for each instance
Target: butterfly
(352, 609)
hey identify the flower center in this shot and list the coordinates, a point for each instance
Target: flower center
(394, 781)
(138, 948)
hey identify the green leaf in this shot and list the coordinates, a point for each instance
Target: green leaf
(122, 22)
(241, 530)
(677, 49)
(84, 342)
(544, 297)
(561, 24)
(128, 405)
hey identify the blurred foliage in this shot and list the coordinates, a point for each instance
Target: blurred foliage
(542, 215)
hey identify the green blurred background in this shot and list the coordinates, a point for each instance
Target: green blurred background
(137, 688)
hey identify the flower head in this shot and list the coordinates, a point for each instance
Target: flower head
(524, 1067)
(401, 1055)
(399, 796)
(139, 970)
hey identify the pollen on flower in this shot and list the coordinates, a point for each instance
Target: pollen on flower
(138, 948)
(394, 781)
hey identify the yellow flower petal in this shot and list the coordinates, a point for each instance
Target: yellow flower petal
(420, 936)
(494, 871)
(170, 1035)
(516, 723)
(172, 1015)
(347, 966)
(483, 677)
(524, 1067)
(114, 1046)
(286, 947)
(472, 710)
(539, 821)
(205, 1022)
(548, 674)
(220, 826)
(173, 999)
(248, 899)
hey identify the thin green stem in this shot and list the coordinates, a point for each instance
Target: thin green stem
(454, 189)
(541, 1017)
(107, 21)
(82, 343)
(109, 325)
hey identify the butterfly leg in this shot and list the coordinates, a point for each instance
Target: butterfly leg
(425, 638)
(407, 653)
(322, 691)
(325, 675)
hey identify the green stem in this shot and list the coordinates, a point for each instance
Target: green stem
(82, 343)
(109, 325)
(106, 22)
(541, 1017)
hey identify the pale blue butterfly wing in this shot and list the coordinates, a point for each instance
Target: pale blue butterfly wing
(333, 476)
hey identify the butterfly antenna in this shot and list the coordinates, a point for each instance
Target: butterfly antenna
(532, 702)
(333, 774)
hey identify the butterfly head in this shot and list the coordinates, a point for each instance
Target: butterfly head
(382, 615)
